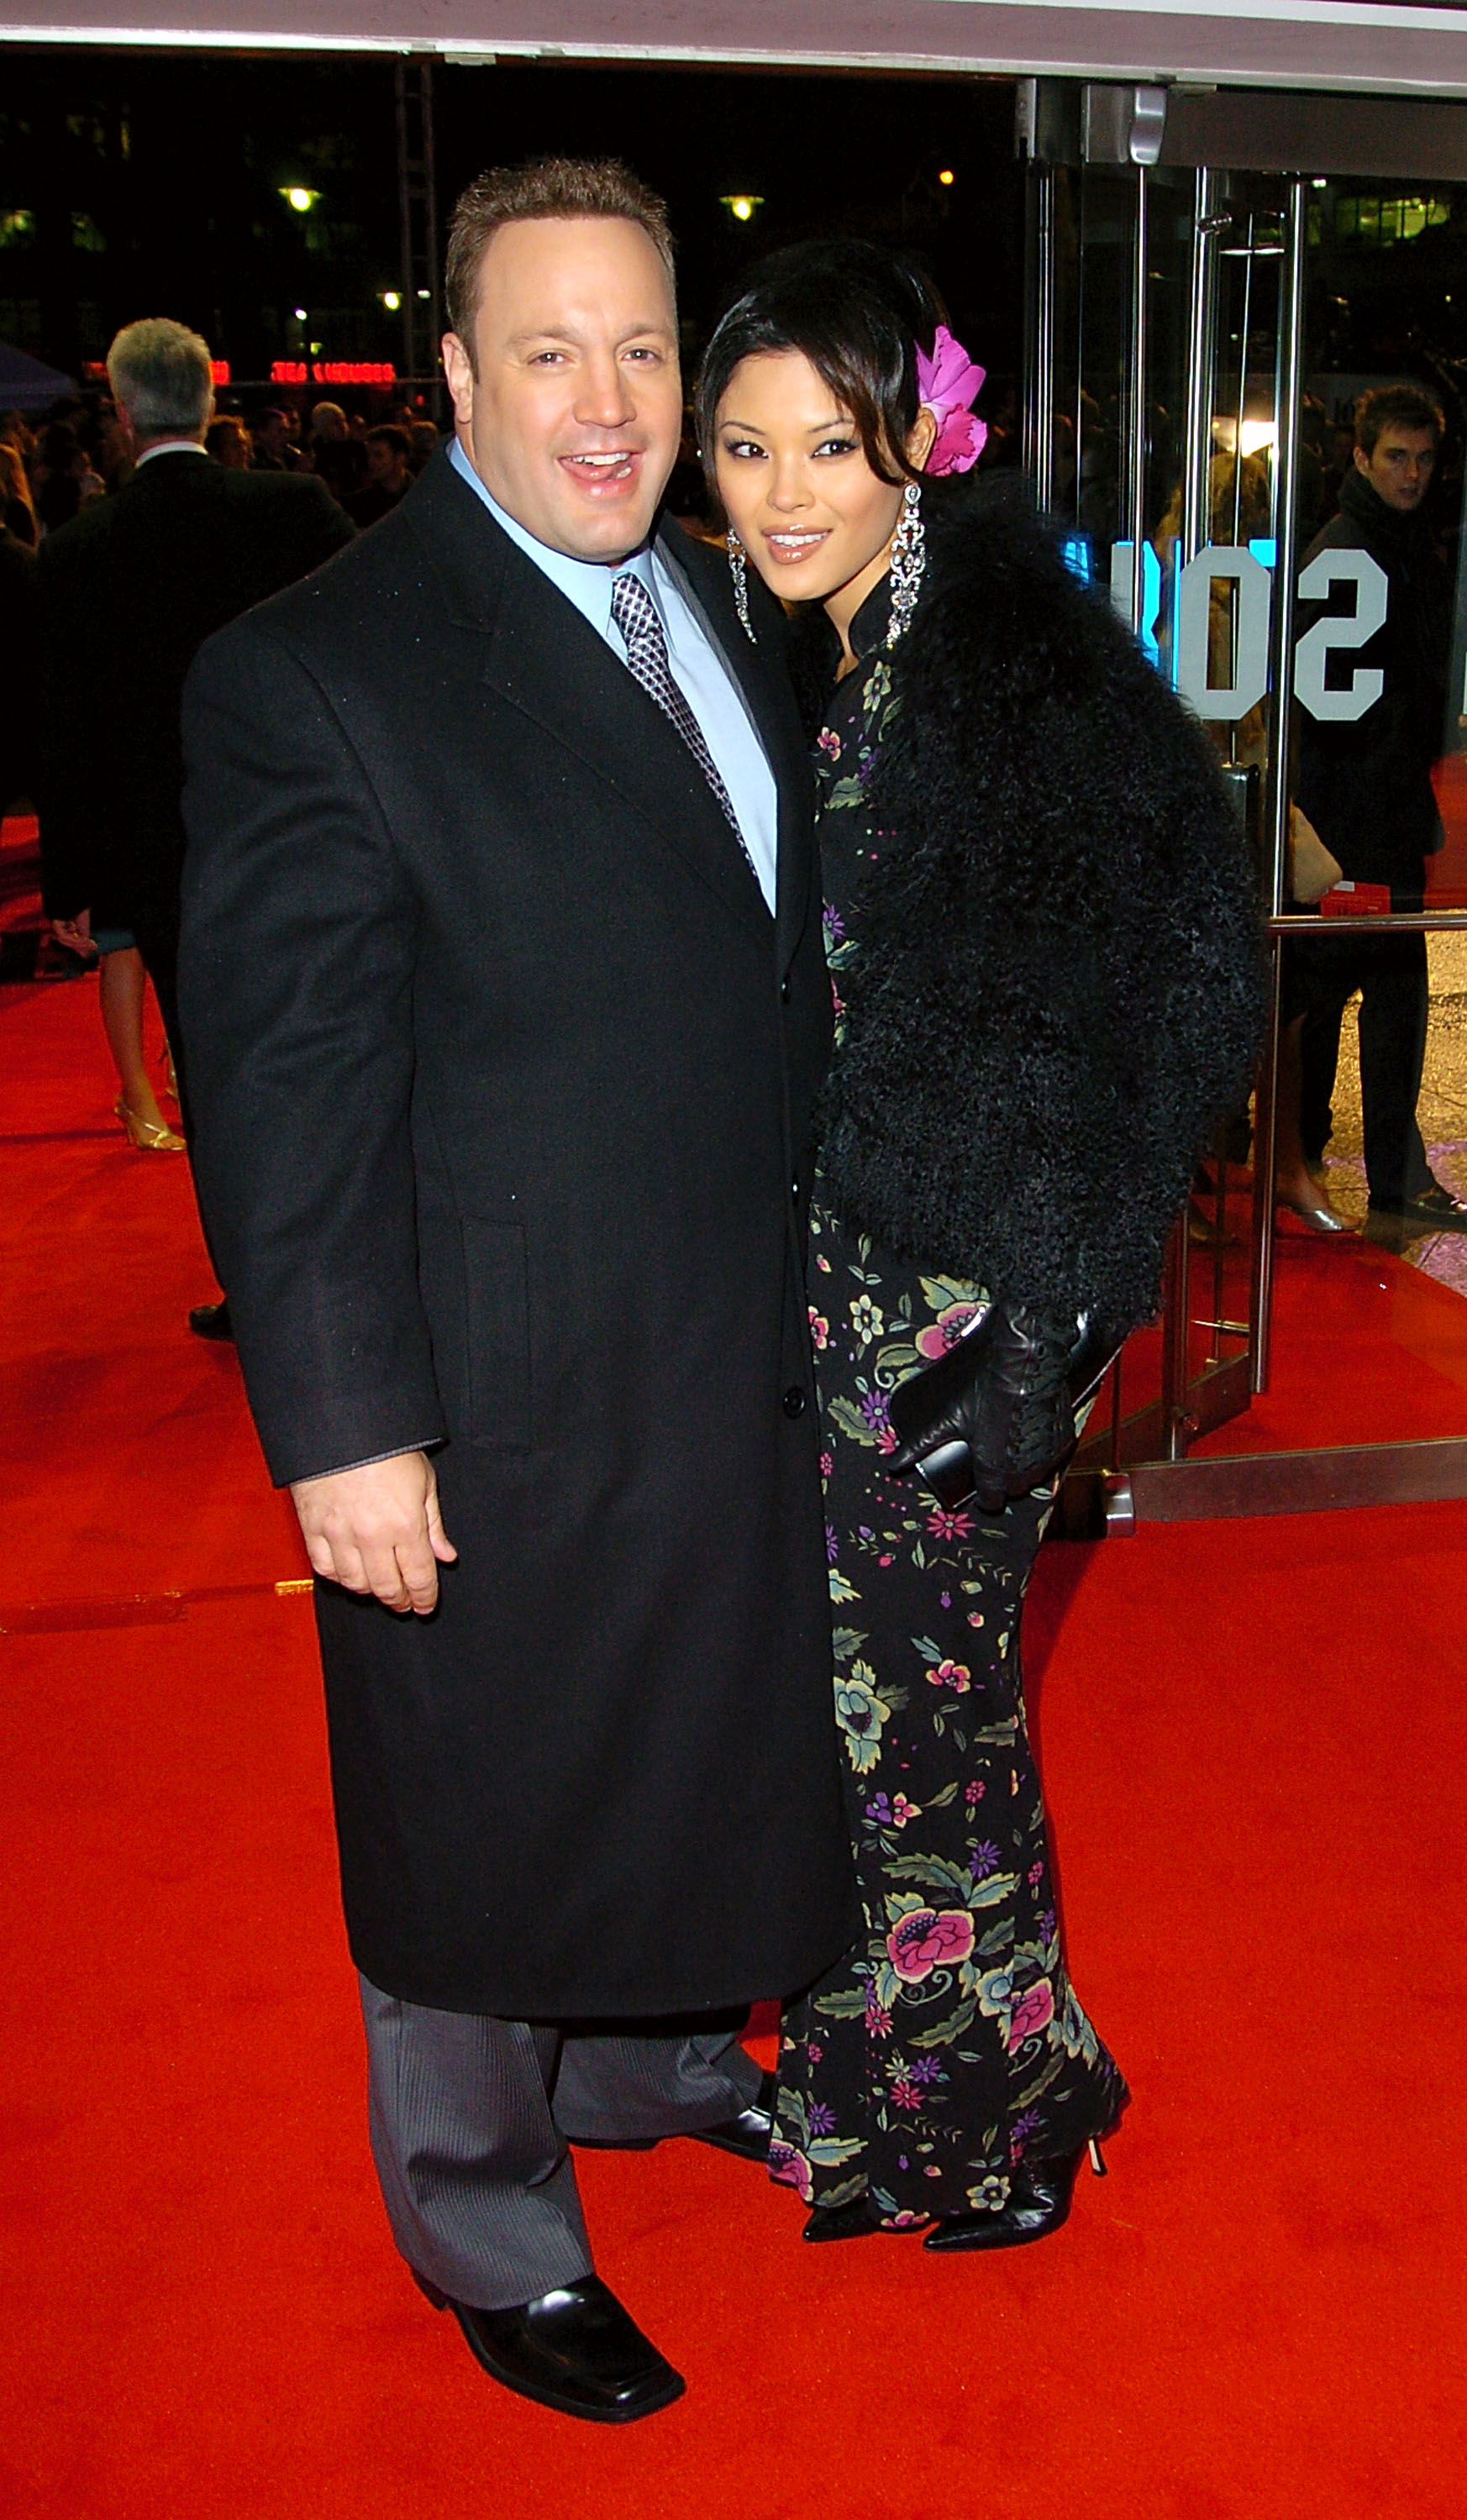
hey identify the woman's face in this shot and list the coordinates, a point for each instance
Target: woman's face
(795, 481)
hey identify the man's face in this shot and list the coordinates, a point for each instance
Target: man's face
(385, 466)
(572, 419)
(271, 434)
(1400, 466)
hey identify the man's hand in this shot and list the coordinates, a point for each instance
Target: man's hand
(377, 1530)
(75, 933)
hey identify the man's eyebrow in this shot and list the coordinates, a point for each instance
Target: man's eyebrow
(564, 333)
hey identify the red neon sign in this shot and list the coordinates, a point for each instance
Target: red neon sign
(333, 372)
(95, 370)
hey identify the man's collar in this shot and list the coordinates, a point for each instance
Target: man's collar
(1360, 499)
(171, 446)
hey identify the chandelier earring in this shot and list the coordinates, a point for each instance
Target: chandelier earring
(737, 569)
(908, 562)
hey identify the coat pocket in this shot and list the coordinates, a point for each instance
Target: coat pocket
(496, 1285)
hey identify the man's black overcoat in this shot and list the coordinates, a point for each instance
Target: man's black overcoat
(503, 1076)
(130, 591)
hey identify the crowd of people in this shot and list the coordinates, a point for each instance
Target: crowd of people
(52, 467)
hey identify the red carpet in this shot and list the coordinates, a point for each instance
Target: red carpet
(1254, 1736)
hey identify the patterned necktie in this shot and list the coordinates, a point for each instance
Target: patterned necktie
(635, 616)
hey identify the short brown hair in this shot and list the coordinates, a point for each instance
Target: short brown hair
(1394, 407)
(548, 187)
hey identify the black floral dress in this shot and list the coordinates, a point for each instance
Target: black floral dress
(948, 2047)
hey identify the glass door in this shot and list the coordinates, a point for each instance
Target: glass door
(1200, 341)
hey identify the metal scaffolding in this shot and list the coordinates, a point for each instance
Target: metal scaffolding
(418, 210)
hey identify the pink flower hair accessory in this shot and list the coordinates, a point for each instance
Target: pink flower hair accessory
(946, 385)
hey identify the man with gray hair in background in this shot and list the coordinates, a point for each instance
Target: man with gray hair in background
(127, 594)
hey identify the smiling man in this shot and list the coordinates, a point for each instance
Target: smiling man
(505, 994)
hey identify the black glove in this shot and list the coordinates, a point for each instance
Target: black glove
(995, 1415)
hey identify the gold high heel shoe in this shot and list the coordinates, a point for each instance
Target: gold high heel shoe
(150, 1136)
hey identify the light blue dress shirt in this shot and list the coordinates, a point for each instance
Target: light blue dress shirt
(702, 676)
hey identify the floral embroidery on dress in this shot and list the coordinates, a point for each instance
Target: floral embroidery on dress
(948, 2045)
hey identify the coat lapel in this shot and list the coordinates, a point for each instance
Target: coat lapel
(544, 660)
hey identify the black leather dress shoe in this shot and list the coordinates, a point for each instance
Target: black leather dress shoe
(575, 2349)
(749, 2135)
(1038, 2202)
(1431, 1211)
(211, 1320)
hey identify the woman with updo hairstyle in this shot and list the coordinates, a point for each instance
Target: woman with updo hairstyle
(1044, 948)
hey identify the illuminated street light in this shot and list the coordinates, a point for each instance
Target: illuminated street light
(298, 197)
(425, 293)
(741, 205)
(946, 175)
(391, 299)
(299, 314)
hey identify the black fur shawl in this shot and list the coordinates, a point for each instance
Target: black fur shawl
(1059, 987)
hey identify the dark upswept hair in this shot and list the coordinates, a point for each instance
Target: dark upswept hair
(1394, 407)
(858, 313)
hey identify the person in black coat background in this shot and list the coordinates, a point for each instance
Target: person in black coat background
(128, 592)
(506, 1013)
(1366, 786)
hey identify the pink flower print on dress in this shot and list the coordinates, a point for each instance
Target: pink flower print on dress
(925, 1940)
(790, 2169)
(1034, 2007)
(951, 1674)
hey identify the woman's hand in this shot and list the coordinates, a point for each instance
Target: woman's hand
(1005, 1396)
(75, 933)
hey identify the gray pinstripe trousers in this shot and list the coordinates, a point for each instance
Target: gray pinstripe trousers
(471, 2117)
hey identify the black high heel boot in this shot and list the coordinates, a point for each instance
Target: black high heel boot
(1039, 2203)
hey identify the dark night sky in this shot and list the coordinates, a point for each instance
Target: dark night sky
(143, 183)
(153, 185)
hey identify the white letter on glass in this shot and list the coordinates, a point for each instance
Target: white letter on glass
(1341, 630)
(1194, 609)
